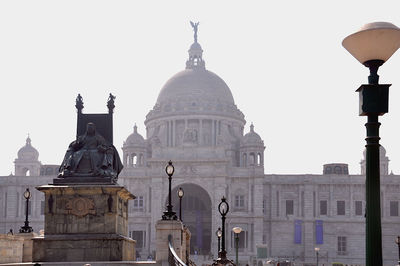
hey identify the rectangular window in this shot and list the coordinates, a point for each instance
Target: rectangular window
(42, 207)
(342, 245)
(138, 203)
(289, 207)
(341, 210)
(358, 207)
(297, 231)
(5, 204)
(314, 203)
(323, 207)
(319, 232)
(239, 201)
(394, 208)
(140, 237)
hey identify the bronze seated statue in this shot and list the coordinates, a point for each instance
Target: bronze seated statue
(90, 155)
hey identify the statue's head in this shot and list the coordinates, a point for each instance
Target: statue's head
(91, 129)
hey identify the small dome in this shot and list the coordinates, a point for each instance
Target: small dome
(28, 153)
(195, 47)
(252, 138)
(135, 138)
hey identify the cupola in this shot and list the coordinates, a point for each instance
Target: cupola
(251, 149)
(134, 150)
(27, 162)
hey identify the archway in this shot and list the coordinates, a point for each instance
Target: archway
(196, 215)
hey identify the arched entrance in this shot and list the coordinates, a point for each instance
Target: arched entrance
(196, 215)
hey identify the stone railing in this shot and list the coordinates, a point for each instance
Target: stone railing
(173, 258)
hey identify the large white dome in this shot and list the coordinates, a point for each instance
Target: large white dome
(195, 91)
(191, 85)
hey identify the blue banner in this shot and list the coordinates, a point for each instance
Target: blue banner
(319, 232)
(297, 231)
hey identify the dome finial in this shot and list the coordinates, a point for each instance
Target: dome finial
(251, 127)
(135, 128)
(195, 26)
(28, 140)
(195, 60)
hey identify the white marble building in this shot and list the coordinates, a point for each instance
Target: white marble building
(196, 124)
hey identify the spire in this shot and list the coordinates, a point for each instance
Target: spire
(28, 141)
(195, 60)
(135, 128)
(251, 127)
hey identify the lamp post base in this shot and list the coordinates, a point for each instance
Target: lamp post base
(169, 215)
(26, 229)
(222, 260)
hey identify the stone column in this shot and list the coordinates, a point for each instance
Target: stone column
(201, 132)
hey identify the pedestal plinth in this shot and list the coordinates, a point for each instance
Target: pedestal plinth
(85, 223)
(180, 239)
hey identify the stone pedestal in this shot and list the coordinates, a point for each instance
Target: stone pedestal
(28, 246)
(11, 248)
(180, 239)
(85, 223)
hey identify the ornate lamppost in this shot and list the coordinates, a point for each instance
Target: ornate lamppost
(237, 231)
(398, 245)
(26, 228)
(180, 195)
(218, 233)
(169, 214)
(317, 253)
(223, 209)
(372, 46)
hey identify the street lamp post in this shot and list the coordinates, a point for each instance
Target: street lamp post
(26, 228)
(169, 214)
(317, 253)
(180, 195)
(398, 245)
(372, 46)
(223, 209)
(237, 231)
(219, 234)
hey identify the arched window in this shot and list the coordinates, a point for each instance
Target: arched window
(244, 160)
(27, 172)
(252, 158)
(133, 159)
(259, 159)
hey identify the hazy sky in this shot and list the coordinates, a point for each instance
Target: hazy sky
(283, 61)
